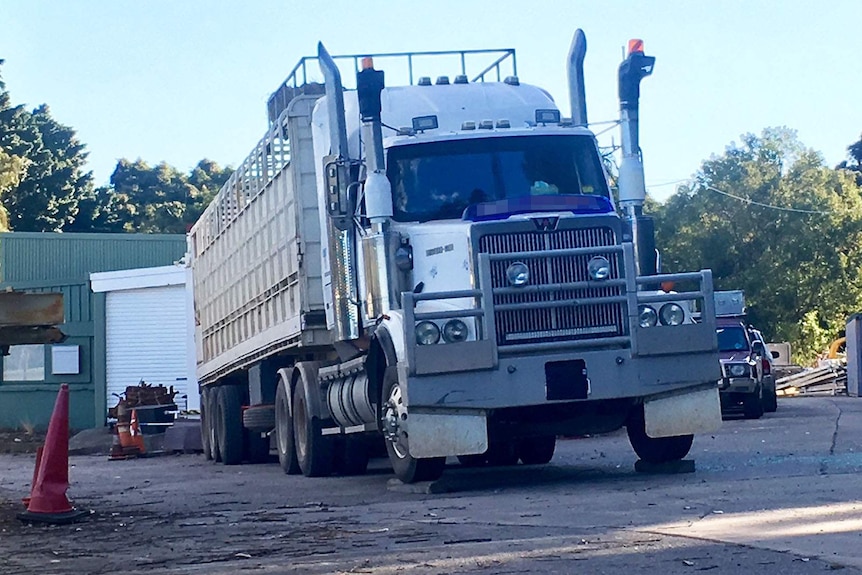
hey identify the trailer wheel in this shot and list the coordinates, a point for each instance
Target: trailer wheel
(205, 427)
(406, 467)
(655, 449)
(284, 430)
(229, 424)
(537, 450)
(314, 451)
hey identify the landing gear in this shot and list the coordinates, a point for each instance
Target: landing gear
(407, 468)
(655, 449)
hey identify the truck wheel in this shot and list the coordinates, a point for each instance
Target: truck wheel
(752, 406)
(259, 418)
(205, 428)
(770, 400)
(351, 457)
(406, 467)
(537, 450)
(314, 451)
(284, 431)
(655, 449)
(229, 423)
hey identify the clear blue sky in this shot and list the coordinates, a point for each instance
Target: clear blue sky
(182, 80)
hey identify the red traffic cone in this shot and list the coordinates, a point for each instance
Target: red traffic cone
(26, 500)
(48, 502)
(135, 432)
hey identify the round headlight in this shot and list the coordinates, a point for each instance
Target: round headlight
(647, 316)
(454, 331)
(671, 314)
(427, 333)
(737, 370)
(518, 274)
(599, 268)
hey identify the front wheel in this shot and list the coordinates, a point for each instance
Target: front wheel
(770, 399)
(655, 449)
(407, 468)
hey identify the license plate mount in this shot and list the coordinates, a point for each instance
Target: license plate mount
(566, 380)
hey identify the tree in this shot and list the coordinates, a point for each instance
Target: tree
(48, 165)
(160, 199)
(791, 236)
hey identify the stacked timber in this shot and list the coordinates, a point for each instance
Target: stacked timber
(828, 379)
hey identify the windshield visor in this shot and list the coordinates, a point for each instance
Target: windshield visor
(440, 180)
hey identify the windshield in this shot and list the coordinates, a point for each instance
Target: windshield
(731, 339)
(438, 180)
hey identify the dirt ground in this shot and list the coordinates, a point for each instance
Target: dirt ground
(20, 441)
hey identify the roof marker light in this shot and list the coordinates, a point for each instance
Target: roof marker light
(503, 124)
(512, 81)
(486, 125)
(422, 123)
(442, 80)
(547, 116)
(636, 46)
(460, 79)
(424, 81)
(468, 125)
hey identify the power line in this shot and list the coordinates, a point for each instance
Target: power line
(741, 199)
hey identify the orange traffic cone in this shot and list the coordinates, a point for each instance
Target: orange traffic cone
(135, 432)
(48, 502)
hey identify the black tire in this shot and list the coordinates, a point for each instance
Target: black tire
(406, 467)
(259, 418)
(537, 450)
(205, 429)
(351, 456)
(752, 406)
(284, 431)
(655, 449)
(256, 446)
(229, 413)
(770, 400)
(314, 451)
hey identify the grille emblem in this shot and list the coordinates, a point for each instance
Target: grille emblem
(546, 224)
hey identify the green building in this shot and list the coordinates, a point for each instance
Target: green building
(46, 262)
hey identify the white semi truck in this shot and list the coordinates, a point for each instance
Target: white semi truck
(441, 268)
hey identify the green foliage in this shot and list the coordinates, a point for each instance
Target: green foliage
(801, 272)
(42, 176)
(158, 199)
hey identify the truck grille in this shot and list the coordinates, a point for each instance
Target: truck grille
(554, 322)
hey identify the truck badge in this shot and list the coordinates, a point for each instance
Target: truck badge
(546, 224)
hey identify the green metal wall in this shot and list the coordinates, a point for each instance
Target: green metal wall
(37, 262)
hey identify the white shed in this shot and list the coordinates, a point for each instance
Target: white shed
(149, 331)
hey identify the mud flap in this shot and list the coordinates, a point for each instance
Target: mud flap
(683, 414)
(445, 434)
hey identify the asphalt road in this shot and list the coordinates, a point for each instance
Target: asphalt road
(778, 495)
